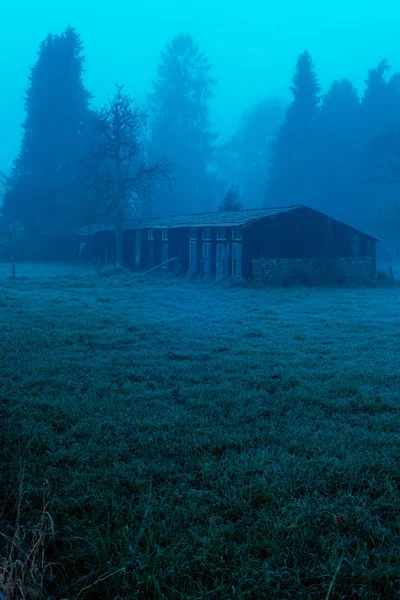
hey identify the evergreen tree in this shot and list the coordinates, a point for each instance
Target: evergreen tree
(393, 101)
(46, 190)
(181, 127)
(380, 109)
(244, 158)
(231, 201)
(379, 101)
(337, 150)
(290, 179)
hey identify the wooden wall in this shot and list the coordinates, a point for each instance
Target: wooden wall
(302, 233)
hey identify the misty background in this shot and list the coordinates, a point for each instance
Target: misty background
(252, 48)
(326, 156)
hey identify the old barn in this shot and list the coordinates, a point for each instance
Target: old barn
(270, 244)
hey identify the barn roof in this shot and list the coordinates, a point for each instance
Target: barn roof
(212, 219)
(88, 230)
(218, 219)
(232, 219)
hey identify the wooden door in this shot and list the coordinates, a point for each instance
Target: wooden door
(221, 260)
(193, 256)
(138, 248)
(237, 259)
(206, 259)
(164, 257)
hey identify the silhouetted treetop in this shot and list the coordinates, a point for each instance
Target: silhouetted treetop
(244, 159)
(181, 125)
(305, 89)
(290, 179)
(45, 187)
(231, 201)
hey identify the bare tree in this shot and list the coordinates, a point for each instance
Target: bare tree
(118, 167)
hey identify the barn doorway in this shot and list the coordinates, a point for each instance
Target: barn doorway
(221, 260)
(193, 255)
(138, 248)
(150, 256)
(206, 259)
(237, 259)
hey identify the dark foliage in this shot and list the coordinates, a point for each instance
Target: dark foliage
(231, 201)
(339, 154)
(337, 151)
(46, 192)
(244, 158)
(291, 179)
(181, 127)
(381, 137)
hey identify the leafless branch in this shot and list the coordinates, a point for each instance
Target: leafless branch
(118, 168)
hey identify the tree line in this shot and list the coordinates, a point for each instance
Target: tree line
(337, 152)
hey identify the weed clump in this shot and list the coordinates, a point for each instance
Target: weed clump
(111, 271)
(24, 568)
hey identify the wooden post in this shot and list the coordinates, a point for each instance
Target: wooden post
(12, 263)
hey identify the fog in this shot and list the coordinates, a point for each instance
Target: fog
(230, 107)
(199, 299)
(252, 47)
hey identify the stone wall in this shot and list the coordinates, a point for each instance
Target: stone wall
(309, 271)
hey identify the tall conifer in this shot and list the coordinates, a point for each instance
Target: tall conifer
(46, 190)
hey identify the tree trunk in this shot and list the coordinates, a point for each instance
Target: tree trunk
(119, 244)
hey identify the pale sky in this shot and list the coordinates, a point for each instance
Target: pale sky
(252, 46)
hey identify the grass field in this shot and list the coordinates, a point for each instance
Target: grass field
(168, 439)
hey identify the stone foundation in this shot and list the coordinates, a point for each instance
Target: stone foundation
(310, 271)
